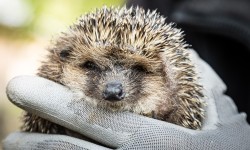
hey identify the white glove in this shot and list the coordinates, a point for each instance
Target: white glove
(224, 127)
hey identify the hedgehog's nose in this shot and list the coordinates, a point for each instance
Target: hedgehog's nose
(113, 92)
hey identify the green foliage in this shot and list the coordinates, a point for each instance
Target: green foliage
(52, 16)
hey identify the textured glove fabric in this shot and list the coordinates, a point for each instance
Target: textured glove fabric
(232, 134)
(37, 141)
(224, 127)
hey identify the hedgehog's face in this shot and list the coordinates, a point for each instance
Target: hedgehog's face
(115, 79)
(128, 59)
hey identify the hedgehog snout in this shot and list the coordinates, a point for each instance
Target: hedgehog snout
(113, 91)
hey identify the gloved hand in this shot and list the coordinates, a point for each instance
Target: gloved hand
(224, 127)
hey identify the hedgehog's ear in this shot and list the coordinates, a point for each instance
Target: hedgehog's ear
(167, 67)
(165, 62)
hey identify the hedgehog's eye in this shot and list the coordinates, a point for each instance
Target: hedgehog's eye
(139, 68)
(64, 54)
(89, 65)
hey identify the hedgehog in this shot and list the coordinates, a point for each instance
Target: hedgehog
(125, 59)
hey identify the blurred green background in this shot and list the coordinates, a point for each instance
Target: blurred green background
(26, 27)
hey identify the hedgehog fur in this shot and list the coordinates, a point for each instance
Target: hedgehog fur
(131, 32)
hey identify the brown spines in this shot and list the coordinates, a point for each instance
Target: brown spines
(138, 33)
(33, 123)
(146, 36)
(187, 91)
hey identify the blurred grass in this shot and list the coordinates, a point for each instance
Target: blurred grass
(50, 17)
